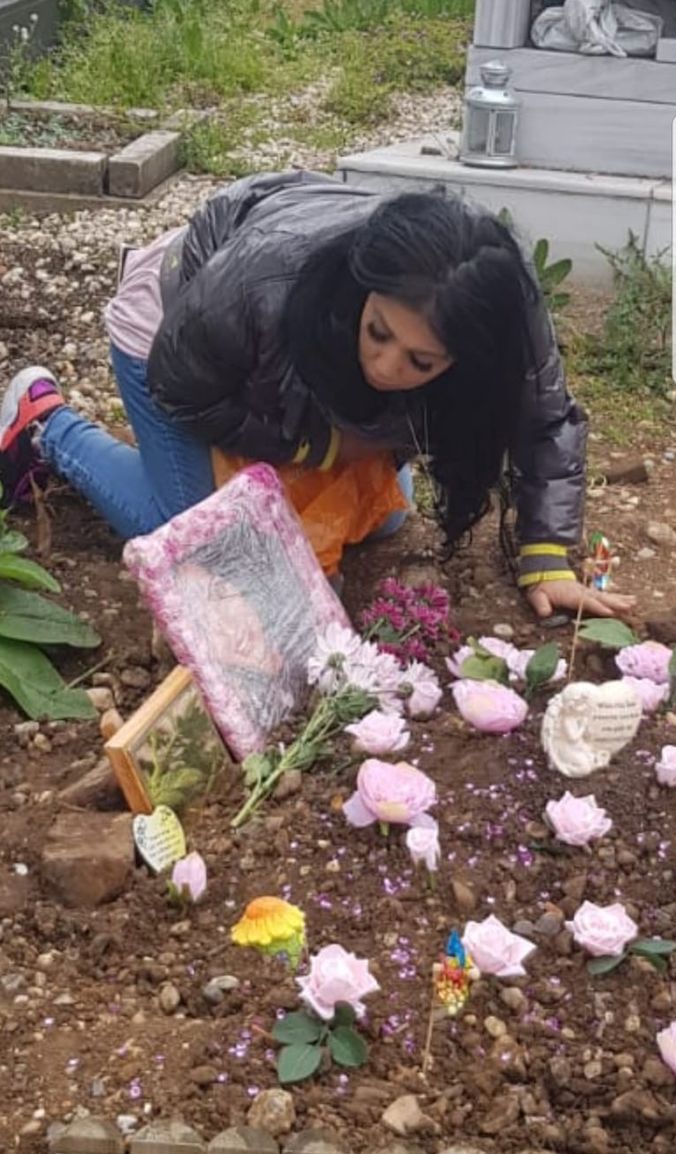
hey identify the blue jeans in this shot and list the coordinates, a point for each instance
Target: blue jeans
(137, 489)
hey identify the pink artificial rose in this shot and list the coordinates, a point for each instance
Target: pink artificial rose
(454, 663)
(424, 691)
(602, 930)
(189, 876)
(490, 707)
(665, 768)
(576, 820)
(666, 1041)
(399, 794)
(650, 659)
(379, 733)
(336, 976)
(499, 648)
(650, 693)
(422, 842)
(496, 950)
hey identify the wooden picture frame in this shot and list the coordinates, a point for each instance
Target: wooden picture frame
(173, 716)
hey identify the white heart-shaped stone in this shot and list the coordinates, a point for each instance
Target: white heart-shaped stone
(586, 724)
(159, 838)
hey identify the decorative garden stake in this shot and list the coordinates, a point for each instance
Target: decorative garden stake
(273, 927)
(595, 569)
(451, 979)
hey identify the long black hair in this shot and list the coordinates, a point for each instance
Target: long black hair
(461, 269)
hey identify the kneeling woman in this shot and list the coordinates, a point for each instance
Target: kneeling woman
(297, 319)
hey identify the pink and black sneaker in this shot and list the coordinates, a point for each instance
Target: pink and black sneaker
(30, 396)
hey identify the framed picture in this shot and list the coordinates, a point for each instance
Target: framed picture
(237, 591)
(169, 752)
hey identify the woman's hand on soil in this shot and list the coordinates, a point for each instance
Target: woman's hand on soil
(545, 599)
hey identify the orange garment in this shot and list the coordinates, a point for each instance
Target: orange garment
(337, 508)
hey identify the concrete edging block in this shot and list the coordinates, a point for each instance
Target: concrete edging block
(143, 163)
(53, 170)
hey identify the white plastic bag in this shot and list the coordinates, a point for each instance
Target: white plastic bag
(597, 28)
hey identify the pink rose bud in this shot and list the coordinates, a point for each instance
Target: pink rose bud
(602, 930)
(666, 1041)
(650, 694)
(495, 949)
(189, 877)
(336, 976)
(665, 768)
(650, 659)
(396, 794)
(490, 707)
(422, 842)
(379, 733)
(576, 820)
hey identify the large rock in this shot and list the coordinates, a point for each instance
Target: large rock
(88, 1136)
(167, 1136)
(88, 858)
(273, 1111)
(243, 1140)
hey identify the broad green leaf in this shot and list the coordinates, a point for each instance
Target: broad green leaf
(347, 1047)
(478, 668)
(26, 616)
(654, 947)
(604, 965)
(540, 254)
(608, 631)
(557, 271)
(295, 1063)
(28, 573)
(29, 676)
(542, 665)
(658, 962)
(13, 542)
(344, 1015)
(297, 1028)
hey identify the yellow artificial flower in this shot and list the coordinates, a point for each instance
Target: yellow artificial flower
(272, 926)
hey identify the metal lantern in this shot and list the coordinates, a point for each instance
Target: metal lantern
(491, 117)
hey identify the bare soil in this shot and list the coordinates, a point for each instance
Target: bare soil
(576, 1068)
(21, 129)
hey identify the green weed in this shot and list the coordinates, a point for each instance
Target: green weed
(633, 352)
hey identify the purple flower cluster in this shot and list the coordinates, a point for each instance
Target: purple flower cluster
(407, 621)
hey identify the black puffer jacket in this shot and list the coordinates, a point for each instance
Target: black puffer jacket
(219, 364)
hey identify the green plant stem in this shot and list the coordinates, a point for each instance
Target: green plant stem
(322, 725)
(88, 673)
